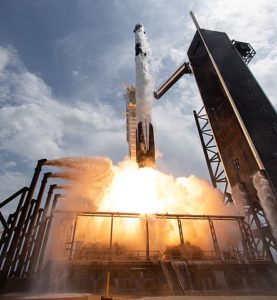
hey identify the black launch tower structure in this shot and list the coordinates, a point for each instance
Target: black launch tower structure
(241, 122)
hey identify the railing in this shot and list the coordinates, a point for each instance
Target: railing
(86, 255)
(114, 255)
(225, 256)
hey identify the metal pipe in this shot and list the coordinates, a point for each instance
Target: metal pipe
(47, 231)
(111, 238)
(41, 230)
(7, 235)
(147, 239)
(18, 249)
(33, 241)
(156, 215)
(215, 242)
(17, 234)
(30, 230)
(180, 231)
(48, 200)
(3, 221)
(8, 200)
(181, 236)
(73, 238)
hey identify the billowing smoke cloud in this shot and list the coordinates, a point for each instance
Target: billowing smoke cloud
(89, 179)
(267, 199)
(97, 185)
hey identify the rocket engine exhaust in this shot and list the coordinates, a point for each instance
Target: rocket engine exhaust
(145, 144)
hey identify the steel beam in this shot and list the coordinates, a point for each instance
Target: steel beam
(12, 197)
(147, 239)
(183, 69)
(46, 234)
(8, 234)
(215, 242)
(41, 230)
(73, 238)
(33, 241)
(22, 219)
(156, 215)
(18, 250)
(30, 229)
(180, 232)
(211, 154)
(111, 239)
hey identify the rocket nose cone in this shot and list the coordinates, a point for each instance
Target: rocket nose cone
(137, 27)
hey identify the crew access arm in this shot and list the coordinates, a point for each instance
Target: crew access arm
(184, 69)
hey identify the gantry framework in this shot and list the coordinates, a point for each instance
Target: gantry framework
(249, 251)
(26, 230)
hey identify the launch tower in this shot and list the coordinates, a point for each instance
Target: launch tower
(243, 125)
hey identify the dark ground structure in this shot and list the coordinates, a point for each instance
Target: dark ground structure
(238, 119)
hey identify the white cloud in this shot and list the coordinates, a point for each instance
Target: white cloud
(10, 183)
(35, 124)
(4, 59)
(264, 70)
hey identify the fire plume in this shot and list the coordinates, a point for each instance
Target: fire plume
(128, 188)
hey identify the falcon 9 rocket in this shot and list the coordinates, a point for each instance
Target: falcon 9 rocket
(145, 145)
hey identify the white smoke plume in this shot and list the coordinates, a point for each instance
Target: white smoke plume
(267, 199)
(89, 176)
(97, 185)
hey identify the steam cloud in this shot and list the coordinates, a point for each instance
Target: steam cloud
(267, 199)
(96, 185)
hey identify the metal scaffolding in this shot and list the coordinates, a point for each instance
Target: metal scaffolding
(255, 218)
(26, 233)
(26, 230)
(212, 157)
(248, 253)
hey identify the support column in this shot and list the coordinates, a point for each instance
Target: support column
(17, 250)
(15, 241)
(8, 235)
(265, 238)
(204, 147)
(181, 236)
(111, 238)
(215, 242)
(41, 230)
(73, 238)
(147, 239)
(248, 241)
(33, 219)
(47, 231)
(32, 243)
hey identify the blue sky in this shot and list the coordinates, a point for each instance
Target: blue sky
(62, 63)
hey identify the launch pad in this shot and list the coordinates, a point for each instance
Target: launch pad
(82, 267)
(248, 156)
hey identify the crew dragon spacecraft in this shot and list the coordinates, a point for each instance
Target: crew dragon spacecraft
(140, 133)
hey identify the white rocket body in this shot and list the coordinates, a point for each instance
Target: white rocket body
(144, 99)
